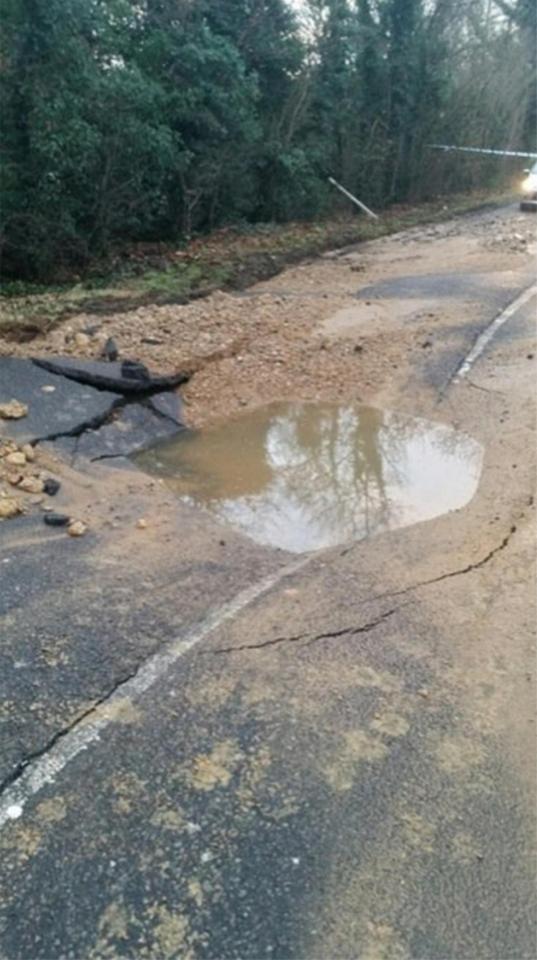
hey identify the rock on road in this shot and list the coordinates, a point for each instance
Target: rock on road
(212, 749)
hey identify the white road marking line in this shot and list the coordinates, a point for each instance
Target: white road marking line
(484, 338)
(45, 769)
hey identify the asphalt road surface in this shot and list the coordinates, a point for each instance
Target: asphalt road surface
(214, 749)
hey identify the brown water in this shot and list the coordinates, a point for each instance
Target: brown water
(302, 476)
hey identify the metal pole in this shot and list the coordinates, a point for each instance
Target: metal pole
(495, 153)
(354, 199)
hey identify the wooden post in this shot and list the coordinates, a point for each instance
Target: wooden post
(354, 199)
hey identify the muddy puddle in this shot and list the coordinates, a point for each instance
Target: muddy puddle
(303, 476)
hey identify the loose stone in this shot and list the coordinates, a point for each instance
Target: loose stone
(56, 519)
(13, 410)
(76, 528)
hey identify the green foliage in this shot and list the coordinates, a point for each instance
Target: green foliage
(86, 152)
(155, 119)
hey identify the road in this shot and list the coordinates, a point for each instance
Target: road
(213, 749)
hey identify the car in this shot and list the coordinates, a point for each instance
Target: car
(529, 190)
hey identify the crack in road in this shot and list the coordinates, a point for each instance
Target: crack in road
(94, 424)
(498, 393)
(28, 758)
(109, 456)
(102, 420)
(329, 635)
(452, 573)
(381, 596)
(15, 775)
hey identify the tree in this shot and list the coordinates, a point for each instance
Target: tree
(128, 120)
(86, 154)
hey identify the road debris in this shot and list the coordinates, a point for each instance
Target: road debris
(16, 459)
(28, 452)
(56, 519)
(13, 410)
(9, 507)
(76, 528)
(110, 350)
(31, 485)
(51, 486)
(82, 340)
(18, 468)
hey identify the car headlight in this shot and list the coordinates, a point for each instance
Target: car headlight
(529, 185)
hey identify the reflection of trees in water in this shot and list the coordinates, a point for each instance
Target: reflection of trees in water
(335, 468)
(329, 464)
(450, 442)
(304, 475)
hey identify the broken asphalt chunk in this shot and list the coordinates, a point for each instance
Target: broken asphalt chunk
(135, 428)
(122, 377)
(66, 409)
(168, 404)
(133, 370)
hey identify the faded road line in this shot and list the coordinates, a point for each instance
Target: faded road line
(43, 768)
(486, 336)
(69, 743)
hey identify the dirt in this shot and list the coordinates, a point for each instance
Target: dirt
(303, 335)
(23, 475)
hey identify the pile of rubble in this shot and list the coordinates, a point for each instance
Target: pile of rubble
(23, 484)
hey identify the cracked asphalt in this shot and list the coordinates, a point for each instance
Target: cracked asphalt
(213, 749)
